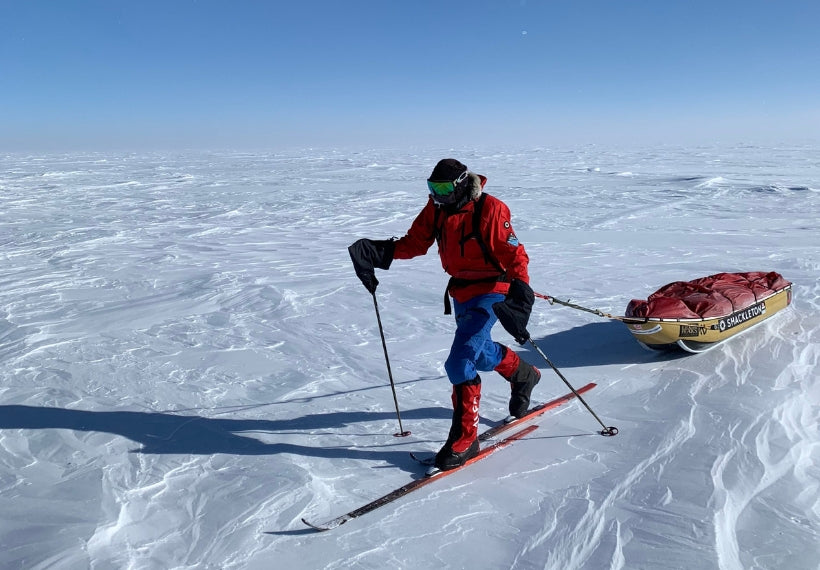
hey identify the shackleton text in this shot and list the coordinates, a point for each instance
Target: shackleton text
(742, 316)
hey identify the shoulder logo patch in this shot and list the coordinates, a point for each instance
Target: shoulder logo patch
(512, 240)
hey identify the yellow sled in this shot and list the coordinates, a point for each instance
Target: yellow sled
(699, 335)
(699, 314)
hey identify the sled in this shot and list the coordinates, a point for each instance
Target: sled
(697, 315)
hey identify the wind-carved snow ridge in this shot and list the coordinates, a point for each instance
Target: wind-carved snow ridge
(592, 529)
(762, 456)
(189, 366)
(769, 471)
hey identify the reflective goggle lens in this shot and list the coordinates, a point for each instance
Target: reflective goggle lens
(441, 188)
(446, 188)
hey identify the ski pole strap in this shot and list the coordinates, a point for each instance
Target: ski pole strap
(566, 303)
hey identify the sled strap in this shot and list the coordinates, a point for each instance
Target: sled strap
(552, 300)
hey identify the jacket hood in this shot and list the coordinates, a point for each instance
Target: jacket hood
(475, 185)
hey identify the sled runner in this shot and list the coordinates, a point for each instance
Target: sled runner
(696, 315)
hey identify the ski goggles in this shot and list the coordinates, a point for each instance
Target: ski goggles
(446, 188)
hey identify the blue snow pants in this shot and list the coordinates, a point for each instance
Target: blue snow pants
(473, 349)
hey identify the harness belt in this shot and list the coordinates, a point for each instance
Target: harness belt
(457, 283)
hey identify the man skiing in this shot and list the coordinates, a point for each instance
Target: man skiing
(488, 282)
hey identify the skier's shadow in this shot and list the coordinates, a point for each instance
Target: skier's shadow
(596, 344)
(169, 433)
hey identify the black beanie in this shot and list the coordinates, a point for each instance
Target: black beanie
(447, 170)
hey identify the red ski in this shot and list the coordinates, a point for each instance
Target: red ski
(419, 483)
(532, 413)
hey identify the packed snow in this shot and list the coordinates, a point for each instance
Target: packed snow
(189, 365)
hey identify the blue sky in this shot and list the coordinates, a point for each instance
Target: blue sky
(272, 74)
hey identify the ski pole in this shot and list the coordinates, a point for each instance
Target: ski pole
(611, 430)
(401, 433)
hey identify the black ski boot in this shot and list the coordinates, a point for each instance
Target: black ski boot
(522, 382)
(447, 459)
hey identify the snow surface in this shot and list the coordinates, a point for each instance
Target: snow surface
(188, 364)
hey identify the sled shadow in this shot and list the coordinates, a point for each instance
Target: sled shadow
(166, 433)
(596, 344)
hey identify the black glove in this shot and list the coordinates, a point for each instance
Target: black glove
(514, 311)
(367, 255)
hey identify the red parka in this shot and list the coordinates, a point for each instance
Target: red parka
(459, 248)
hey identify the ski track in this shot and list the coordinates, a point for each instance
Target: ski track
(189, 363)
